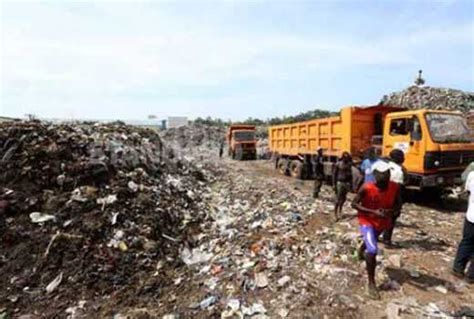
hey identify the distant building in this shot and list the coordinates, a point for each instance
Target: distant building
(176, 121)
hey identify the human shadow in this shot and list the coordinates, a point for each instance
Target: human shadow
(437, 201)
(404, 225)
(423, 281)
(424, 244)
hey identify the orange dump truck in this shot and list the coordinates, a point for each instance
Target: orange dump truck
(437, 144)
(242, 142)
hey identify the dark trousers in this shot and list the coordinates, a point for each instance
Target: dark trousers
(318, 183)
(387, 234)
(465, 251)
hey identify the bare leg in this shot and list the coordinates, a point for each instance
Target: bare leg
(361, 252)
(371, 262)
(337, 210)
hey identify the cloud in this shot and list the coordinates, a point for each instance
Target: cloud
(178, 54)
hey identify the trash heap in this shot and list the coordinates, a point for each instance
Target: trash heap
(262, 257)
(195, 135)
(91, 212)
(263, 149)
(268, 250)
(417, 97)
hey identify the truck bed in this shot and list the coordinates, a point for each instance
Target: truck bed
(351, 131)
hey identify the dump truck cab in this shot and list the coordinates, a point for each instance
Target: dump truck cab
(242, 143)
(437, 145)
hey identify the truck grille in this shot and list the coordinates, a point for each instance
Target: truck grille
(448, 159)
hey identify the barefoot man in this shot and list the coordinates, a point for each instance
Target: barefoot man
(375, 203)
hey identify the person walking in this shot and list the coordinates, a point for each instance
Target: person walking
(342, 182)
(318, 172)
(221, 149)
(375, 202)
(398, 174)
(465, 252)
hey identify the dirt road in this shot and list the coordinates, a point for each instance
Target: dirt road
(278, 253)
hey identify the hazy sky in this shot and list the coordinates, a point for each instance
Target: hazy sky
(228, 59)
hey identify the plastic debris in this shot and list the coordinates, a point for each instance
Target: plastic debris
(283, 281)
(261, 280)
(209, 301)
(54, 284)
(37, 217)
(195, 256)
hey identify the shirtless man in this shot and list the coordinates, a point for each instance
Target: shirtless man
(342, 182)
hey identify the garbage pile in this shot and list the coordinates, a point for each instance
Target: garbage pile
(195, 135)
(263, 149)
(91, 216)
(271, 251)
(261, 259)
(417, 97)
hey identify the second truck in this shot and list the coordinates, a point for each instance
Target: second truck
(438, 145)
(241, 141)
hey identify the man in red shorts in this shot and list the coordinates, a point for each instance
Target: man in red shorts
(375, 203)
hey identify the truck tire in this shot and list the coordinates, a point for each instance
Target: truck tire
(283, 166)
(296, 169)
(277, 159)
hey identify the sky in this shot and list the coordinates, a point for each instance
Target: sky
(225, 59)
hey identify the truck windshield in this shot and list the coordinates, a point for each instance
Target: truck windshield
(448, 128)
(244, 136)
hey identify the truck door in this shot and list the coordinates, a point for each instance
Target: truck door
(405, 134)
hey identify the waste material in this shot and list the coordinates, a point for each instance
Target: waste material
(208, 302)
(196, 256)
(101, 195)
(40, 217)
(197, 236)
(418, 97)
(54, 284)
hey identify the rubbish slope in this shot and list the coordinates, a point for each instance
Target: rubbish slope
(418, 97)
(91, 212)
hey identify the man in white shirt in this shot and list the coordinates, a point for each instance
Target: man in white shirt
(465, 251)
(398, 175)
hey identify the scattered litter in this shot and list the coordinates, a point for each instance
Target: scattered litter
(196, 256)
(209, 301)
(54, 284)
(256, 308)
(283, 281)
(441, 289)
(261, 280)
(37, 217)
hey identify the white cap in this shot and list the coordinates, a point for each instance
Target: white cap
(380, 166)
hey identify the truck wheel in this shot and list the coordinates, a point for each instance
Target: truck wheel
(296, 169)
(283, 166)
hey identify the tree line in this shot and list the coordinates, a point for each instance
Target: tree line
(309, 115)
